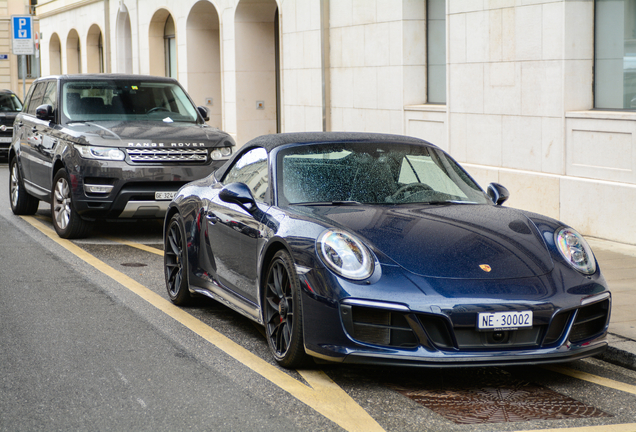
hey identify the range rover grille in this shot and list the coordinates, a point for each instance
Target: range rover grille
(146, 155)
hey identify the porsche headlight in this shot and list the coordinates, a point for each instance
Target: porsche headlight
(575, 250)
(345, 255)
(102, 153)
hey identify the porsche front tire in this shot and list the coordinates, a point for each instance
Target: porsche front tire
(282, 312)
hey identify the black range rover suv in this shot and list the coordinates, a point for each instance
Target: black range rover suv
(108, 146)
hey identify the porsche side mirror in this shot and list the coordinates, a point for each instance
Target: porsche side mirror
(497, 193)
(44, 112)
(239, 194)
(205, 112)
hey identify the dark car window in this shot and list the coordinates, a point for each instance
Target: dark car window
(126, 100)
(36, 97)
(9, 102)
(372, 173)
(50, 95)
(251, 169)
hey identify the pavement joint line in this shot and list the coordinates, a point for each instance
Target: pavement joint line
(324, 395)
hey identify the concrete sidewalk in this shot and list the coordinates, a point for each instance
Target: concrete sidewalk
(618, 264)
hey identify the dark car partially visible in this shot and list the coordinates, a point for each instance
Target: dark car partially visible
(10, 106)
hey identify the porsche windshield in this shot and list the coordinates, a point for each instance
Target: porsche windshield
(126, 100)
(372, 173)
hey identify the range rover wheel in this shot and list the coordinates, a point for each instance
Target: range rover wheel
(67, 223)
(282, 312)
(175, 262)
(21, 202)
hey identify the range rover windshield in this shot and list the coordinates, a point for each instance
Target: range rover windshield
(119, 100)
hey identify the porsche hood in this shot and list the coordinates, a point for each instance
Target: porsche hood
(450, 241)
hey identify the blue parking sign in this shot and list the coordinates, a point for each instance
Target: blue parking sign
(22, 27)
(22, 34)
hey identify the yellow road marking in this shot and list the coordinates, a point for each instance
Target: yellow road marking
(605, 382)
(140, 246)
(324, 396)
(631, 427)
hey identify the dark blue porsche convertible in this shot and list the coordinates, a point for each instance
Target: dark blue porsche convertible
(368, 248)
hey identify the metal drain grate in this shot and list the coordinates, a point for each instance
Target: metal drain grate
(496, 398)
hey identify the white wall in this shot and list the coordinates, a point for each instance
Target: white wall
(519, 89)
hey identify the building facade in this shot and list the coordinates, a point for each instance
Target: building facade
(534, 94)
(10, 64)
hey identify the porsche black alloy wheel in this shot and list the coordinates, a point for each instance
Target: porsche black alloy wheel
(21, 202)
(282, 312)
(175, 262)
(67, 222)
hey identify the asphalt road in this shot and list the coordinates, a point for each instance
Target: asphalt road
(88, 341)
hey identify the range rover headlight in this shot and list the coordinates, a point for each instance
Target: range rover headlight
(102, 153)
(575, 250)
(345, 255)
(221, 153)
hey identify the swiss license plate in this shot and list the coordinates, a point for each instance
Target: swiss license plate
(504, 320)
(162, 196)
(5, 139)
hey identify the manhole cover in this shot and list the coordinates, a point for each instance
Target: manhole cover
(495, 398)
(134, 265)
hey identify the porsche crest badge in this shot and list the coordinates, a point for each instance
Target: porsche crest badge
(485, 267)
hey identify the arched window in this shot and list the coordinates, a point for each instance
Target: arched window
(55, 55)
(73, 53)
(170, 47)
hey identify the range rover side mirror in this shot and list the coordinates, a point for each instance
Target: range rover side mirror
(240, 194)
(497, 193)
(44, 112)
(205, 112)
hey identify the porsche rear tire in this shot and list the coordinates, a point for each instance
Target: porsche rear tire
(175, 262)
(282, 312)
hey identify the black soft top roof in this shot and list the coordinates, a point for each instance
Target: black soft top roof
(270, 142)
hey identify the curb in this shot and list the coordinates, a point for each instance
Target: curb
(621, 351)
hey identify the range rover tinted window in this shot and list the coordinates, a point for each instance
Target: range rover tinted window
(36, 97)
(50, 95)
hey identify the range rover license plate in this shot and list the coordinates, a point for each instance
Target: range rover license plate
(5, 139)
(163, 196)
(504, 320)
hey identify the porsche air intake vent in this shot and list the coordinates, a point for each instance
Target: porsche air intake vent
(378, 326)
(590, 321)
(154, 155)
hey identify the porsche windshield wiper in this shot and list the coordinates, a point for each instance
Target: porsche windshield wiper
(327, 203)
